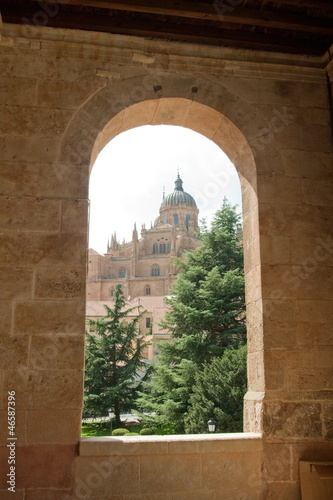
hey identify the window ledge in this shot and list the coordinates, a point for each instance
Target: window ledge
(173, 444)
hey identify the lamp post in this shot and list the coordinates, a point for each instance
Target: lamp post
(110, 415)
(211, 425)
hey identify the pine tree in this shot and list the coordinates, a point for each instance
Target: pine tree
(218, 393)
(114, 358)
(206, 317)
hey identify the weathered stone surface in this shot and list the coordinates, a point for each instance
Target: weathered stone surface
(43, 179)
(292, 420)
(184, 473)
(58, 351)
(18, 91)
(104, 476)
(231, 471)
(53, 426)
(13, 351)
(42, 249)
(277, 462)
(60, 282)
(59, 458)
(328, 420)
(74, 217)
(46, 389)
(6, 317)
(58, 317)
(28, 214)
(38, 148)
(69, 95)
(27, 121)
(15, 283)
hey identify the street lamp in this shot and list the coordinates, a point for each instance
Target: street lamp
(211, 425)
(110, 415)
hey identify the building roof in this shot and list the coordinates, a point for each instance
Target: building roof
(178, 197)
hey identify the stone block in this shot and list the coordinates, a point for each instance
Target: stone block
(312, 253)
(255, 368)
(26, 121)
(292, 420)
(294, 220)
(60, 282)
(43, 180)
(317, 191)
(74, 216)
(64, 94)
(283, 490)
(53, 426)
(50, 317)
(183, 473)
(280, 322)
(18, 91)
(231, 471)
(48, 390)
(276, 375)
(31, 461)
(15, 283)
(13, 351)
(28, 214)
(251, 254)
(38, 249)
(6, 316)
(38, 148)
(138, 115)
(274, 249)
(277, 462)
(313, 95)
(279, 189)
(315, 311)
(305, 164)
(254, 326)
(314, 334)
(102, 477)
(205, 123)
(58, 351)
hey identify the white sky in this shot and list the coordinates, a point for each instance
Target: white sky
(127, 179)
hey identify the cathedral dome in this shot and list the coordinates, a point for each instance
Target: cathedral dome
(178, 197)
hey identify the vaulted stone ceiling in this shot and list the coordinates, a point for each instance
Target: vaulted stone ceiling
(290, 26)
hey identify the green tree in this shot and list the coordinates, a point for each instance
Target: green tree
(114, 359)
(206, 316)
(218, 393)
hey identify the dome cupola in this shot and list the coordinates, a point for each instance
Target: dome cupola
(179, 197)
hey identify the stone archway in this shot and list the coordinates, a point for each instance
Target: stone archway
(220, 129)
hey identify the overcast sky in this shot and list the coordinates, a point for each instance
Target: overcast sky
(127, 179)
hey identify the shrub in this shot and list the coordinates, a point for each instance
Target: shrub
(131, 434)
(147, 431)
(120, 432)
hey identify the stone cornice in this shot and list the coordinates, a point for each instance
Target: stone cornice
(137, 52)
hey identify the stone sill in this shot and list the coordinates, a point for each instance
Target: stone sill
(163, 445)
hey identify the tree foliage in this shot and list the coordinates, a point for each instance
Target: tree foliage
(114, 358)
(206, 316)
(218, 393)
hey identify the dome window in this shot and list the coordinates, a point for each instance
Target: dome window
(175, 219)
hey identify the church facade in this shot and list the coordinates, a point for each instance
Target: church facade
(145, 266)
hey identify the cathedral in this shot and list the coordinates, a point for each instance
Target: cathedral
(145, 266)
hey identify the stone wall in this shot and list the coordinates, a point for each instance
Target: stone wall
(64, 95)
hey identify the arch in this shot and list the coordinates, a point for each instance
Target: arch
(232, 124)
